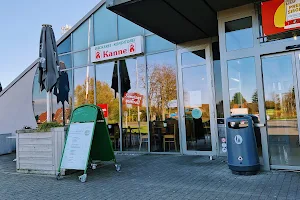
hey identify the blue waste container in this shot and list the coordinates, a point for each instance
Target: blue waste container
(241, 145)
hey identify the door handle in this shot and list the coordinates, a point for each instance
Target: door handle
(259, 125)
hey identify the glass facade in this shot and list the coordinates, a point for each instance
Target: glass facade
(280, 92)
(137, 125)
(127, 29)
(105, 26)
(162, 90)
(239, 34)
(80, 58)
(155, 43)
(39, 102)
(84, 81)
(134, 113)
(80, 37)
(65, 46)
(66, 78)
(242, 86)
(105, 94)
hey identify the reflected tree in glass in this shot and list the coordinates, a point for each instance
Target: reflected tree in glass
(84, 94)
(162, 89)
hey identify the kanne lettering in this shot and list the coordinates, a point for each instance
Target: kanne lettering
(114, 53)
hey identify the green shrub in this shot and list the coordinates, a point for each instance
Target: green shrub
(46, 127)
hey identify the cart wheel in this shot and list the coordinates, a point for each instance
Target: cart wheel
(58, 176)
(118, 167)
(82, 178)
(93, 166)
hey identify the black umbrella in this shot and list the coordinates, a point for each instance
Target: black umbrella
(125, 80)
(62, 88)
(0, 87)
(48, 65)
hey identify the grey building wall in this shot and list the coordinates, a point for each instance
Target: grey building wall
(16, 109)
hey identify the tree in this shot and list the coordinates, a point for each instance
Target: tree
(106, 95)
(84, 94)
(162, 89)
(289, 104)
(255, 97)
(238, 99)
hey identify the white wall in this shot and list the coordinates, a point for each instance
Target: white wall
(16, 103)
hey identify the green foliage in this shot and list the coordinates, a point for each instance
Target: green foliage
(46, 127)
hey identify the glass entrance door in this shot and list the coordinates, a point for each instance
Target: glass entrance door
(282, 109)
(197, 108)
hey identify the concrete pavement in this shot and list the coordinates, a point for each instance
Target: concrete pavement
(151, 177)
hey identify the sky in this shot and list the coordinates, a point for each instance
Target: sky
(21, 27)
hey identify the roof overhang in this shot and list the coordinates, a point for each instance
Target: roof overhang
(175, 20)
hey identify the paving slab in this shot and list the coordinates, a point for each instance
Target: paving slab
(151, 177)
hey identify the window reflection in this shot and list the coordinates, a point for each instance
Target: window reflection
(135, 128)
(193, 58)
(80, 37)
(84, 86)
(66, 78)
(106, 95)
(105, 26)
(281, 110)
(155, 43)
(239, 34)
(197, 100)
(162, 94)
(67, 59)
(39, 102)
(242, 86)
(127, 29)
(80, 58)
(65, 46)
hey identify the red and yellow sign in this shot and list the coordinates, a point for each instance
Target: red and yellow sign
(135, 99)
(280, 16)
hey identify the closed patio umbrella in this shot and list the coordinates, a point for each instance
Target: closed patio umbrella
(48, 65)
(125, 80)
(0, 87)
(62, 88)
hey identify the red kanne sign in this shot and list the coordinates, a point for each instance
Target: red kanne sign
(118, 49)
(133, 98)
(104, 108)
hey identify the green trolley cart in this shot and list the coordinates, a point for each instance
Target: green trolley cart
(88, 142)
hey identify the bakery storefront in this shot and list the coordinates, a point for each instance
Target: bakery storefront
(167, 79)
(234, 57)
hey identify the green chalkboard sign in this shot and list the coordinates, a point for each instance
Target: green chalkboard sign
(87, 141)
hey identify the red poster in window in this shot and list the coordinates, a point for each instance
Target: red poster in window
(280, 16)
(104, 108)
(135, 99)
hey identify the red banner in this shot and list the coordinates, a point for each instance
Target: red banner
(135, 99)
(280, 16)
(104, 108)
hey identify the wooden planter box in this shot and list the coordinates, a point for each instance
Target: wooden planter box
(39, 153)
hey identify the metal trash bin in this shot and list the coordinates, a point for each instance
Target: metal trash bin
(241, 145)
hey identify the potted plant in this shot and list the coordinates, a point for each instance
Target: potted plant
(40, 150)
